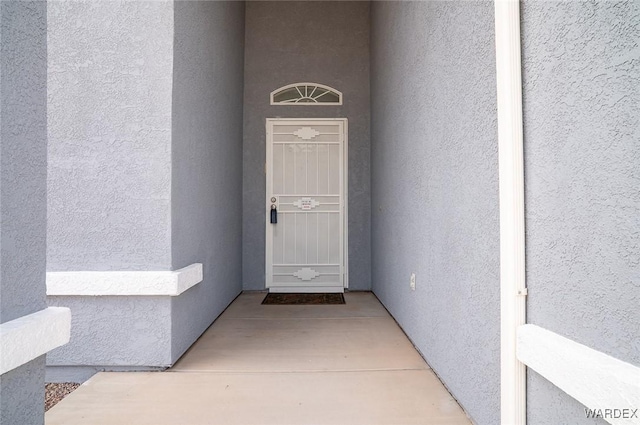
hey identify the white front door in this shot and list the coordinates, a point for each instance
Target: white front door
(306, 190)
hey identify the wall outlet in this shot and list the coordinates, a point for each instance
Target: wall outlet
(412, 282)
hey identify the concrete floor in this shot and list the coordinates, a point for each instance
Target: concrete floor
(340, 364)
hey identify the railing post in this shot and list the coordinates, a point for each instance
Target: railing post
(511, 177)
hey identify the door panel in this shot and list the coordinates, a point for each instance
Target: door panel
(306, 177)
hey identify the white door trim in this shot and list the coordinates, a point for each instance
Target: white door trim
(345, 192)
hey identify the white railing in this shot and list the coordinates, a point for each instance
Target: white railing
(608, 387)
(28, 337)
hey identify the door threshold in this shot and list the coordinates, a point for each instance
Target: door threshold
(307, 289)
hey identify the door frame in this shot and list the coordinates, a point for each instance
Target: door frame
(345, 191)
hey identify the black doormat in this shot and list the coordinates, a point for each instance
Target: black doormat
(303, 299)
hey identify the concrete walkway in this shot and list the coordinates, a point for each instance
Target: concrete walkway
(344, 364)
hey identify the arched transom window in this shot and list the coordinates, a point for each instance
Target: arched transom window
(306, 94)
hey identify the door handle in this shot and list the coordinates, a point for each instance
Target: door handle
(274, 214)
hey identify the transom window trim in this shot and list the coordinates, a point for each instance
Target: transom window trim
(306, 94)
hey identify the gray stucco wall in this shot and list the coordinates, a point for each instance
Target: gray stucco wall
(23, 167)
(146, 170)
(115, 331)
(22, 394)
(320, 42)
(23, 157)
(109, 178)
(435, 189)
(207, 161)
(582, 157)
(109, 175)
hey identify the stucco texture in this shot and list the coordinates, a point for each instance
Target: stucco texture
(23, 168)
(319, 42)
(145, 127)
(435, 189)
(23, 157)
(22, 394)
(109, 173)
(109, 176)
(207, 161)
(115, 331)
(581, 75)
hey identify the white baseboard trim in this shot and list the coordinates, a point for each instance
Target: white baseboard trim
(595, 379)
(124, 283)
(28, 337)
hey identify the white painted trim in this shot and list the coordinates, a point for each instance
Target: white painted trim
(124, 283)
(595, 379)
(28, 337)
(345, 211)
(322, 86)
(307, 289)
(511, 179)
